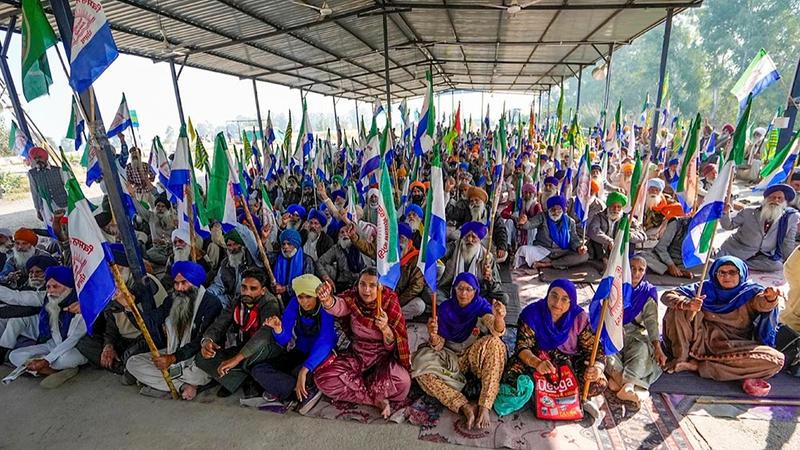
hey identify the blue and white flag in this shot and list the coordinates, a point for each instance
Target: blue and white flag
(270, 130)
(426, 129)
(584, 187)
(122, 120)
(372, 157)
(93, 173)
(776, 172)
(615, 290)
(160, 162)
(181, 170)
(434, 240)
(703, 225)
(305, 139)
(93, 48)
(758, 76)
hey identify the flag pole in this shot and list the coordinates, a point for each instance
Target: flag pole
(380, 292)
(595, 345)
(190, 212)
(257, 235)
(151, 345)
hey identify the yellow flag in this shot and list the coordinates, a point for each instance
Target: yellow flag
(192, 132)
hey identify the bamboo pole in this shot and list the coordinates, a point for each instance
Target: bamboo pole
(190, 212)
(259, 243)
(151, 345)
(595, 347)
(380, 294)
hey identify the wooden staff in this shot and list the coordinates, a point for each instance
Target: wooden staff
(154, 353)
(433, 305)
(495, 202)
(257, 235)
(380, 292)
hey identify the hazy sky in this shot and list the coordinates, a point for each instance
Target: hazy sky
(207, 96)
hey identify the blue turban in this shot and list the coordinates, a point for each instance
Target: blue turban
(308, 183)
(41, 261)
(464, 165)
(474, 227)
(291, 236)
(556, 200)
(61, 274)
(656, 183)
(334, 227)
(673, 162)
(193, 272)
(416, 210)
(405, 230)
(551, 180)
(788, 191)
(314, 214)
(338, 194)
(297, 209)
(596, 167)
(544, 157)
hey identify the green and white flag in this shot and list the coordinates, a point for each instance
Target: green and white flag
(16, 140)
(37, 37)
(223, 183)
(387, 244)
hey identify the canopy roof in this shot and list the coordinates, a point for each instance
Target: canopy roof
(469, 45)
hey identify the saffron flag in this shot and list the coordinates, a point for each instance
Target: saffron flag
(37, 37)
(94, 281)
(703, 225)
(122, 120)
(93, 48)
(434, 239)
(615, 290)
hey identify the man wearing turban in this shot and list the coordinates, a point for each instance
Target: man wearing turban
(14, 273)
(60, 327)
(603, 227)
(478, 210)
(44, 177)
(315, 241)
(239, 258)
(289, 263)
(556, 235)
(659, 208)
(468, 254)
(177, 327)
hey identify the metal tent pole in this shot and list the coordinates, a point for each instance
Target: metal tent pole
(177, 91)
(662, 70)
(258, 117)
(386, 70)
(336, 123)
(578, 100)
(607, 92)
(106, 155)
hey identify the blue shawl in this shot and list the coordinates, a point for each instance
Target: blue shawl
(721, 301)
(64, 319)
(456, 323)
(537, 316)
(640, 294)
(559, 232)
(287, 270)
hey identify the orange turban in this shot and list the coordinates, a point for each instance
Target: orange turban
(595, 187)
(26, 235)
(476, 192)
(418, 184)
(627, 168)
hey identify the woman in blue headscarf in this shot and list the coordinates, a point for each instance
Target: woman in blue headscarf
(632, 370)
(728, 331)
(464, 337)
(551, 332)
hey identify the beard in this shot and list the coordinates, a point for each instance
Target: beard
(236, 259)
(555, 217)
(312, 236)
(478, 211)
(248, 300)
(181, 254)
(528, 204)
(36, 283)
(414, 223)
(164, 219)
(289, 254)
(469, 251)
(293, 225)
(373, 205)
(770, 213)
(21, 258)
(614, 216)
(651, 201)
(182, 309)
(417, 199)
(345, 243)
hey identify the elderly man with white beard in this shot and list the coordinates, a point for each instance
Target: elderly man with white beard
(478, 211)
(371, 210)
(289, 263)
(226, 283)
(765, 235)
(177, 327)
(342, 263)
(59, 328)
(556, 233)
(658, 209)
(162, 223)
(602, 227)
(468, 254)
(23, 304)
(14, 273)
(315, 241)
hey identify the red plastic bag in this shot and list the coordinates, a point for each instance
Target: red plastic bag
(558, 395)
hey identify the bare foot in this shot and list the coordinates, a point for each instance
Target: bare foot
(615, 381)
(627, 393)
(469, 414)
(384, 407)
(687, 274)
(188, 392)
(684, 366)
(541, 265)
(484, 420)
